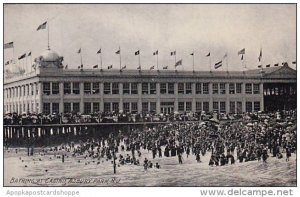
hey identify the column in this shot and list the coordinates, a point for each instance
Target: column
(194, 97)
(34, 97)
(176, 97)
(81, 107)
(261, 91)
(101, 97)
(139, 97)
(210, 97)
(121, 96)
(40, 109)
(244, 98)
(158, 98)
(227, 104)
(61, 94)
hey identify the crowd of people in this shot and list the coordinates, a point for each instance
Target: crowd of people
(104, 117)
(252, 137)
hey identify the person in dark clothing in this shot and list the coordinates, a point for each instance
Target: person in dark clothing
(159, 151)
(198, 158)
(188, 152)
(153, 152)
(180, 158)
(288, 152)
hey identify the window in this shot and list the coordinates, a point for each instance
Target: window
(152, 88)
(55, 108)
(232, 107)
(96, 88)
(206, 106)
(27, 86)
(198, 106)
(145, 88)
(134, 88)
(239, 108)
(36, 90)
(188, 106)
(188, 88)
(216, 106)
(67, 88)
(231, 88)
(126, 107)
(152, 106)
(87, 108)
(248, 89)
(87, 88)
(257, 106)
(222, 107)
(76, 107)
(180, 88)
(46, 108)
(180, 106)
(134, 107)
(115, 88)
(198, 88)
(106, 88)
(205, 88)
(76, 89)
(170, 88)
(248, 106)
(24, 91)
(67, 107)
(46, 89)
(215, 88)
(238, 88)
(55, 88)
(107, 107)
(222, 88)
(256, 89)
(32, 89)
(115, 107)
(163, 88)
(145, 107)
(126, 89)
(96, 107)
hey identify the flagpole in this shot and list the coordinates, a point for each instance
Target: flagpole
(227, 62)
(120, 57)
(193, 61)
(175, 60)
(140, 60)
(26, 64)
(30, 63)
(48, 35)
(157, 61)
(210, 62)
(101, 60)
(81, 58)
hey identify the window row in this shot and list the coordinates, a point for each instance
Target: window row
(21, 91)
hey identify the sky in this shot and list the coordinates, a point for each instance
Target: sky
(184, 28)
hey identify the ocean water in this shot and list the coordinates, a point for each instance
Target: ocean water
(48, 170)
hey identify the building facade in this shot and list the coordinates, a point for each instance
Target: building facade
(52, 89)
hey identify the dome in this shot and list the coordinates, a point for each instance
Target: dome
(49, 56)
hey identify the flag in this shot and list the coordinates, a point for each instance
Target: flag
(267, 66)
(260, 55)
(192, 54)
(242, 52)
(109, 67)
(218, 65)
(152, 67)
(81, 66)
(294, 62)
(42, 26)
(178, 63)
(118, 52)
(96, 66)
(242, 57)
(259, 66)
(137, 52)
(173, 53)
(123, 67)
(225, 56)
(78, 67)
(66, 67)
(165, 67)
(29, 54)
(155, 53)
(99, 51)
(79, 51)
(22, 56)
(139, 67)
(6, 63)
(208, 54)
(9, 45)
(276, 64)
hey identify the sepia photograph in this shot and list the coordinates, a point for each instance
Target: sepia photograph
(149, 95)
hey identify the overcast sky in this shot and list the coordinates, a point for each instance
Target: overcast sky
(185, 28)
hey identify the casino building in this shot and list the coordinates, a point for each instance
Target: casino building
(53, 89)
